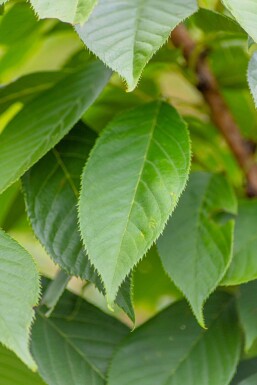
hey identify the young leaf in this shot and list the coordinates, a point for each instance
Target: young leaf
(172, 349)
(126, 34)
(245, 12)
(195, 248)
(51, 190)
(75, 345)
(42, 123)
(243, 267)
(70, 11)
(14, 372)
(130, 186)
(19, 293)
(252, 77)
(247, 308)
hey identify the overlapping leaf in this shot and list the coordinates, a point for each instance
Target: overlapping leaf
(19, 292)
(43, 122)
(14, 372)
(51, 189)
(71, 11)
(75, 345)
(250, 380)
(243, 267)
(172, 349)
(195, 248)
(252, 76)
(130, 186)
(126, 34)
(245, 12)
(247, 307)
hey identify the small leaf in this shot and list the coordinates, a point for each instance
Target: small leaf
(51, 191)
(42, 123)
(14, 372)
(126, 34)
(249, 381)
(19, 293)
(252, 76)
(245, 13)
(130, 186)
(75, 345)
(70, 11)
(171, 349)
(196, 249)
(245, 369)
(247, 308)
(243, 267)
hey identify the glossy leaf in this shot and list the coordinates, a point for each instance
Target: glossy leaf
(195, 248)
(172, 349)
(19, 293)
(252, 76)
(243, 267)
(42, 123)
(70, 11)
(247, 308)
(75, 345)
(51, 190)
(14, 372)
(130, 186)
(245, 13)
(126, 34)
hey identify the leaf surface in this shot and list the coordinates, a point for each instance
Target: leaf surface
(75, 345)
(243, 267)
(19, 293)
(14, 372)
(126, 34)
(51, 190)
(130, 186)
(42, 123)
(245, 13)
(172, 349)
(195, 248)
(70, 11)
(252, 77)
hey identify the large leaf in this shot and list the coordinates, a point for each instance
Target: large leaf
(244, 263)
(42, 123)
(14, 372)
(195, 248)
(247, 308)
(130, 186)
(126, 34)
(252, 76)
(19, 292)
(75, 345)
(51, 190)
(71, 11)
(245, 12)
(171, 349)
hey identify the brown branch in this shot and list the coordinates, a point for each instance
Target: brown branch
(220, 113)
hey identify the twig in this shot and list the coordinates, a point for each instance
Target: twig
(220, 112)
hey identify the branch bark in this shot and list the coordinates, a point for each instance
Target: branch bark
(220, 113)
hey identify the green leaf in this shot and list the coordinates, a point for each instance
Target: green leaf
(19, 293)
(247, 308)
(51, 191)
(42, 123)
(196, 249)
(245, 12)
(130, 186)
(125, 35)
(210, 22)
(14, 372)
(252, 76)
(243, 267)
(75, 345)
(245, 369)
(70, 11)
(172, 349)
